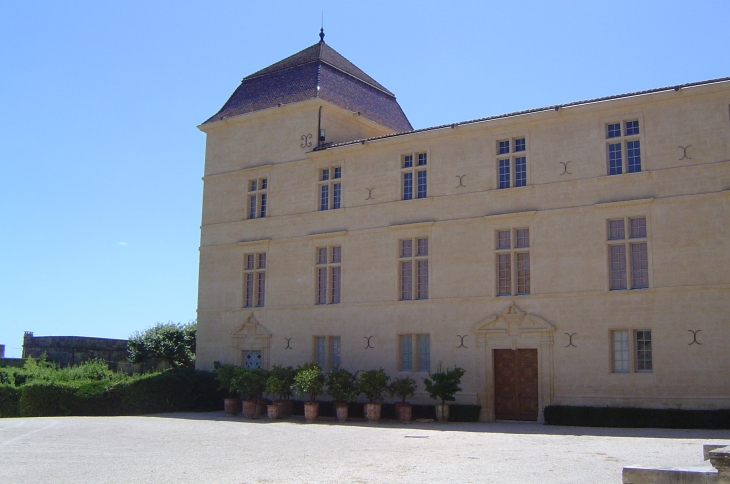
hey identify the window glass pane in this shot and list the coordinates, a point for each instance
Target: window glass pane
(520, 144)
(262, 211)
(321, 255)
(503, 241)
(264, 183)
(616, 230)
(613, 130)
(422, 248)
(406, 248)
(322, 285)
(336, 254)
(523, 238)
(422, 266)
(252, 186)
(504, 274)
(320, 351)
(632, 128)
(261, 288)
(422, 159)
(504, 175)
(249, 290)
(407, 186)
(523, 273)
(335, 290)
(421, 184)
(520, 171)
(325, 174)
(249, 261)
(408, 161)
(336, 195)
(639, 266)
(633, 156)
(643, 351)
(637, 227)
(334, 352)
(406, 352)
(252, 206)
(338, 172)
(502, 147)
(262, 261)
(424, 352)
(617, 255)
(615, 162)
(620, 345)
(406, 280)
(324, 197)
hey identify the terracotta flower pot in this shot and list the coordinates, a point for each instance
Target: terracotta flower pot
(287, 408)
(249, 408)
(342, 410)
(273, 411)
(261, 404)
(403, 411)
(442, 412)
(311, 411)
(232, 406)
(372, 412)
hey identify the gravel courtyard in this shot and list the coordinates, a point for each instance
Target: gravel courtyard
(210, 447)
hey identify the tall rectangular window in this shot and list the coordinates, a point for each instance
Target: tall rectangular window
(620, 342)
(254, 279)
(417, 170)
(513, 262)
(628, 258)
(258, 197)
(328, 274)
(624, 349)
(327, 352)
(643, 351)
(414, 352)
(623, 151)
(413, 268)
(330, 188)
(511, 170)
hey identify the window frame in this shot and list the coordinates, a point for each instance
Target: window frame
(512, 252)
(330, 267)
(257, 197)
(416, 260)
(416, 357)
(611, 140)
(628, 242)
(636, 352)
(511, 157)
(256, 292)
(331, 182)
(416, 171)
(329, 348)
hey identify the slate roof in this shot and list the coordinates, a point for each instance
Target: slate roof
(296, 79)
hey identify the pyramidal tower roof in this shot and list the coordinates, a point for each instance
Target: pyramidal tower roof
(321, 72)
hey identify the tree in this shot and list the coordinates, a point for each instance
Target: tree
(174, 343)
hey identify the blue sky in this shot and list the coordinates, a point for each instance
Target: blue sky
(99, 104)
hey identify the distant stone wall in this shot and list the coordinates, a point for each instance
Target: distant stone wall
(73, 350)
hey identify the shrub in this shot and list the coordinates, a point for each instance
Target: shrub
(250, 383)
(402, 388)
(309, 380)
(630, 417)
(9, 401)
(342, 385)
(224, 374)
(286, 375)
(374, 384)
(444, 384)
(46, 399)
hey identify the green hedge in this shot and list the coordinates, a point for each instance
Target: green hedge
(9, 401)
(630, 417)
(177, 390)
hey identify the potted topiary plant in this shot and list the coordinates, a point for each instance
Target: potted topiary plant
(343, 388)
(224, 375)
(309, 381)
(442, 385)
(373, 384)
(274, 387)
(261, 402)
(285, 377)
(403, 388)
(249, 384)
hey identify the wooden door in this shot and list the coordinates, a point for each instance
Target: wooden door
(515, 384)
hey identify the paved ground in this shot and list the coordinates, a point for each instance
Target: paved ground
(210, 447)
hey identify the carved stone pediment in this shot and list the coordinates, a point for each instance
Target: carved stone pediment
(513, 322)
(251, 331)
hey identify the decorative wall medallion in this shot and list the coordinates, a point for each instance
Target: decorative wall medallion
(461, 181)
(462, 336)
(565, 167)
(306, 141)
(370, 193)
(570, 339)
(288, 346)
(684, 152)
(368, 340)
(694, 337)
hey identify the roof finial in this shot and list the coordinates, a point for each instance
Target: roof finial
(321, 31)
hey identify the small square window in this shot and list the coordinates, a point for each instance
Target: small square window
(408, 161)
(502, 147)
(338, 172)
(523, 238)
(336, 254)
(520, 144)
(406, 248)
(322, 255)
(325, 174)
(422, 159)
(249, 262)
(252, 187)
(616, 230)
(632, 127)
(422, 246)
(503, 239)
(637, 227)
(264, 184)
(613, 130)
